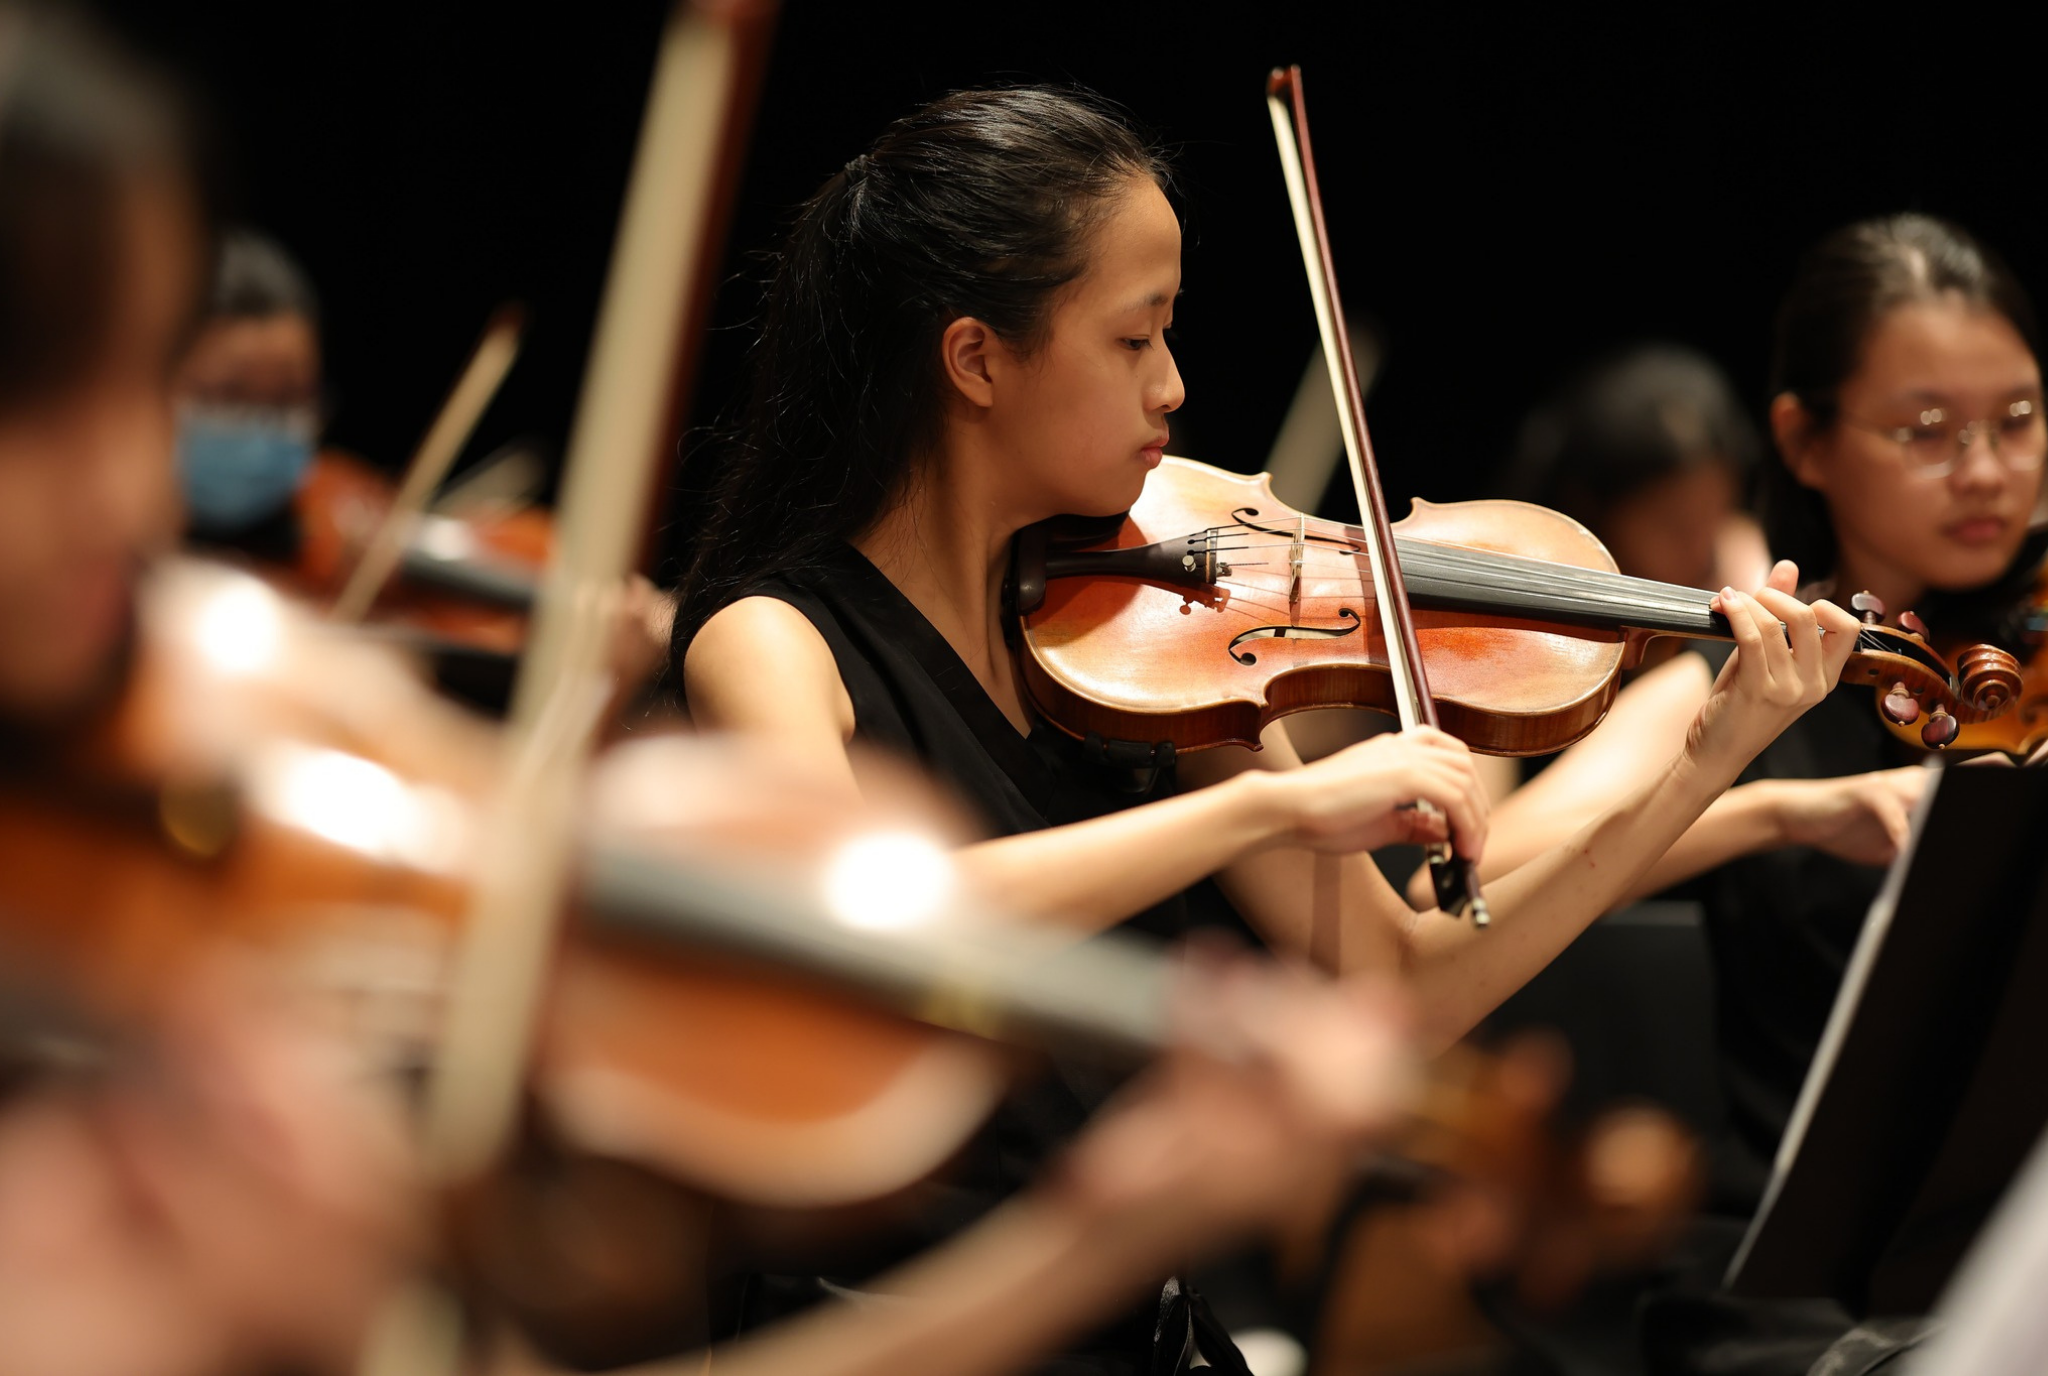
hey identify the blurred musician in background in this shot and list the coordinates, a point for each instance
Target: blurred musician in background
(101, 236)
(1652, 452)
(250, 401)
(1907, 418)
(966, 333)
(262, 490)
(1907, 462)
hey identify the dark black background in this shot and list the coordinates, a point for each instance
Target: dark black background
(1508, 193)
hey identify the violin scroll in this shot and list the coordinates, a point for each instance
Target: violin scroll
(2009, 693)
(1914, 681)
(1989, 679)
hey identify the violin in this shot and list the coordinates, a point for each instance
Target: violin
(344, 502)
(760, 993)
(1211, 609)
(267, 781)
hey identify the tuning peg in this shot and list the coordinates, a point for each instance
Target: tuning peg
(1941, 728)
(1867, 606)
(1910, 621)
(1900, 706)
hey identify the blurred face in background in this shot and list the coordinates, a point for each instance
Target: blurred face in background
(248, 418)
(1672, 530)
(87, 489)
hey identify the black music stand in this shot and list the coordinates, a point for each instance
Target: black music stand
(1931, 1083)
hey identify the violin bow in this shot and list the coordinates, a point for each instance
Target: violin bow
(492, 358)
(655, 296)
(1456, 880)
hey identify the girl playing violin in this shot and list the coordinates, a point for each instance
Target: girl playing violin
(966, 333)
(249, 411)
(1907, 414)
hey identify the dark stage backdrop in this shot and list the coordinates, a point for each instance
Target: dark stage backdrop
(1508, 194)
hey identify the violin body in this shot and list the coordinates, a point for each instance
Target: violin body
(1129, 660)
(269, 783)
(340, 506)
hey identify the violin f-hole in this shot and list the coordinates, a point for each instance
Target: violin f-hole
(1292, 633)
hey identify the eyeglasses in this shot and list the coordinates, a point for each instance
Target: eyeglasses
(1935, 444)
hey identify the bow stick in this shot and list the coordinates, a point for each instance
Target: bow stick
(1457, 882)
(665, 226)
(655, 294)
(493, 358)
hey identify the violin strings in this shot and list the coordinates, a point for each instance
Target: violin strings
(1694, 601)
(1428, 572)
(1478, 591)
(1600, 583)
(1479, 579)
(1484, 563)
(1480, 560)
(1445, 570)
(1255, 607)
(1255, 602)
(1481, 571)
(1453, 567)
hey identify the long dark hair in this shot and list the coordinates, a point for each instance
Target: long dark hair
(80, 121)
(256, 278)
(1844, 286)
(980, 204)
(1625, 424)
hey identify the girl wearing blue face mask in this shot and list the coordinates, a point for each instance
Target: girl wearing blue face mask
(240, 464)
(248, 405)
(260, 490)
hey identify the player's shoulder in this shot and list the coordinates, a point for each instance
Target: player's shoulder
(757, 660)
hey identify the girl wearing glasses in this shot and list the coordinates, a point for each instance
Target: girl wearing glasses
(1908, 419)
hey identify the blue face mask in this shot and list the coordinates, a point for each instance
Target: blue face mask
(240, 464)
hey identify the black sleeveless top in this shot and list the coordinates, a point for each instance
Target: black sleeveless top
(1781, 925)
(913, 695)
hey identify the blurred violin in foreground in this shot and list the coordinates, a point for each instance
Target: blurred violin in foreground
(776, 1000)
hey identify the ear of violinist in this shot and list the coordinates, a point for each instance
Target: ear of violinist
(965, 336)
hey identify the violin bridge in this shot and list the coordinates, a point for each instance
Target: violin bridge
(1294, 557)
